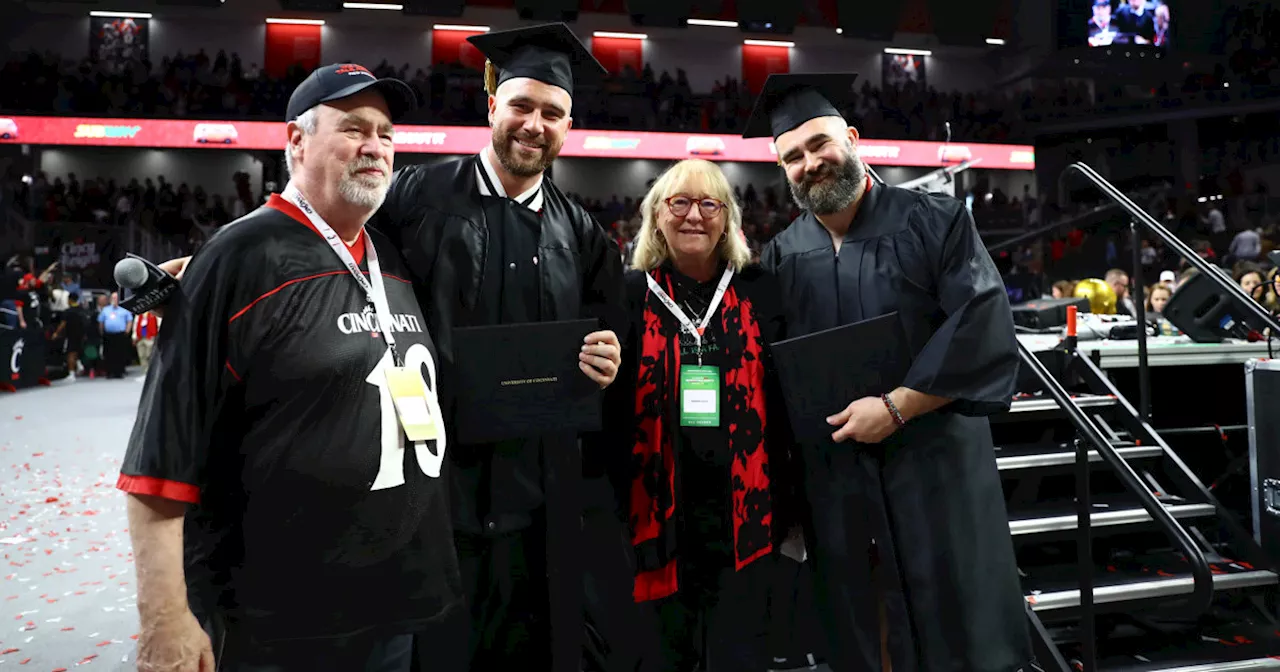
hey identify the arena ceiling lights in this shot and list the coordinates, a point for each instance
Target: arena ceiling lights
(908, 52)
(466, 29)
(122, 15)
(373, 5)
(298, 22)
(712, 22)
(620, 36)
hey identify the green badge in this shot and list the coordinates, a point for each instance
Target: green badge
(699, 396)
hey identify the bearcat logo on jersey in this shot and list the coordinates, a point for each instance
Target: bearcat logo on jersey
(366, 322)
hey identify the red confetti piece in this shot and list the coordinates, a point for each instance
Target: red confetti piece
(133, 636)
(50, 500)
(17, 417)
(61, 669)
(87, 659)
(7, 652)
(37, 454)
(68, 629)
(105, 642)
(25, 661)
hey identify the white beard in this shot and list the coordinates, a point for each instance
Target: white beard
(356, 191)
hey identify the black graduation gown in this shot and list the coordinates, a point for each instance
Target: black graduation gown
(930, 495)
(454, 241)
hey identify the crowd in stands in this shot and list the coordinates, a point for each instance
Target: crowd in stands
(223, 86)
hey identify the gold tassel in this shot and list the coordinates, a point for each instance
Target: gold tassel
(490, 78)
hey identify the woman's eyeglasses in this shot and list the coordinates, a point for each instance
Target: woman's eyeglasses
(681, 205)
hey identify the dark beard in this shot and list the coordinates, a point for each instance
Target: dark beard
(832, 197)
(515, 166)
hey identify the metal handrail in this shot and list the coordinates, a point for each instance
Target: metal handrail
(1142, 217)
(1202, 594)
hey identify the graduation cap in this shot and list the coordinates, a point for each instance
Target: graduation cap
(790, 100)
(549, 53)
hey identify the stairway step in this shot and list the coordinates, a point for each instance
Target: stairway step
(1015, 458)
(1038, 408)
(1108, 590)
(1046, 403)
(1031, 524)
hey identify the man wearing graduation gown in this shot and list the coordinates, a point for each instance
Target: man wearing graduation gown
(489, 240)
(915, 471)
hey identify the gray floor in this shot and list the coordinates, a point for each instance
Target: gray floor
(68, 590)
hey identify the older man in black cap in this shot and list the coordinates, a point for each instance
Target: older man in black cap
(286, 503)
(914, 469)
(490, 240)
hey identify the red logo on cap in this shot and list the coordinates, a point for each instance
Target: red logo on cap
(352, 69)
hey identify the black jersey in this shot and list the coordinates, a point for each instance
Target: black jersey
(266, 408)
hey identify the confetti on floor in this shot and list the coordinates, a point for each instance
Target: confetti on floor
(64, 542)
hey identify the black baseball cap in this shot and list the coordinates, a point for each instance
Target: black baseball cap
(549, 53)
(343, 80)
(790, 100)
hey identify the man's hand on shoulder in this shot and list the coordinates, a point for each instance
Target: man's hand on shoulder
(600, 357)
(174, 267)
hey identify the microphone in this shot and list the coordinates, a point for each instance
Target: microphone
(147, 284)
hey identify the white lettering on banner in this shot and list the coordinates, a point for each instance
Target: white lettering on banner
(79, 255)
(17, 354)
(419, 138)
(879, 151)
(391, 464)
(367, 321)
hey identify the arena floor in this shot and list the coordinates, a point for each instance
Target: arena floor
(68, 578)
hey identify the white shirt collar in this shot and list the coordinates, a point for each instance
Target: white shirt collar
(487, 177)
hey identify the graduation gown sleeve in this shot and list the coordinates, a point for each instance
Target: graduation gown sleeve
(972, 357)
(601, 276)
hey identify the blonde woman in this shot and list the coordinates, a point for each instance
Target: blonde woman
(704, 507)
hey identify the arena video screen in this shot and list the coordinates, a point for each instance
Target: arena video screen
(1105, 23)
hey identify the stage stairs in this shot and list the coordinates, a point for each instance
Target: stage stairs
(1152, 530)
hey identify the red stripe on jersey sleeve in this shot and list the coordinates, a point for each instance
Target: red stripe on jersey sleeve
(233, 372)
(394, 277)
(159, 487)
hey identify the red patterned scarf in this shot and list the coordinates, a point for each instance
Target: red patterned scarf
(654, 485)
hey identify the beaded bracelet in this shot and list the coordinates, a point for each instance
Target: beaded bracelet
(893, 410)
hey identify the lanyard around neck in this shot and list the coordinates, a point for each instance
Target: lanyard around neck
(685, 322)
(373, 286)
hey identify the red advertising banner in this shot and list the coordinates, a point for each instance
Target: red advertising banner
(289, 44)
(616, 53)
(451, 46)
(759, 61)
(259, 135)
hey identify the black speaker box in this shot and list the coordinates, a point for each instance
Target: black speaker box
(1205, 312)
(547, 10)
(442, 8)
(660, 13)
(1047, 313)
(868, 20)
(768, 16)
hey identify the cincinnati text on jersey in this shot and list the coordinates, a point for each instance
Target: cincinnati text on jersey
(367, 321)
